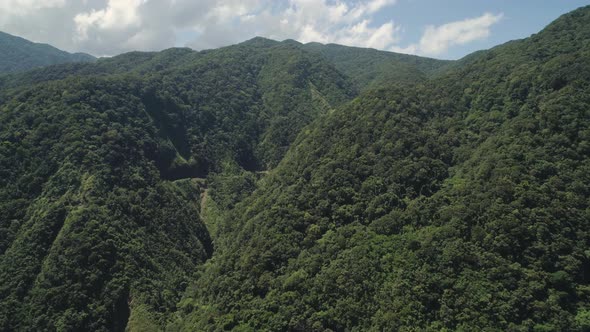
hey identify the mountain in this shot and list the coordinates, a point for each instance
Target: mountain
(370, 68)
(276, 186)
(461, 203)
(104, 165)
(18, 54)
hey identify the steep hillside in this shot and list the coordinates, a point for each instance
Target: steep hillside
(18, 54)
(457, 204)
(252, 188)
(102, 175)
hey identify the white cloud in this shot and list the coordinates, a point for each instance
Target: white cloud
(324, 21)
(21, 7)
(376, 5)
(109, 27)
(361, 34)
(118, 15)
(437, 40)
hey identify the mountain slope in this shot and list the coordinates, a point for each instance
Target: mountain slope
(88, 227)
(366, 68)
(370, 68)
(252, 188)
(18, 54)
(457, 204)
(102, 175)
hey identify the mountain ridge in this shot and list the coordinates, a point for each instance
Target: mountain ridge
(18, 54)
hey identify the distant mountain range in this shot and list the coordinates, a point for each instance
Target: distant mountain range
(18, 54)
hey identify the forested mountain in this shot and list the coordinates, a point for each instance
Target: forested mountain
(18, 54)
(370, 68)
(102, 172)
(457, 204)
(276, 186)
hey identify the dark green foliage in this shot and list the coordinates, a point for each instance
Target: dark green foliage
(97, 230)
(101, 223)
(251, 99)
(245, 189)
(18, 54)
(457, 204)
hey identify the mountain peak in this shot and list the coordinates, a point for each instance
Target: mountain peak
(19, 54)
(260, 42)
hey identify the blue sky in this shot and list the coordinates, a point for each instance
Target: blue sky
(442, 29)
(520, 19)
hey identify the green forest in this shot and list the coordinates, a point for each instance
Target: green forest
(280, 186)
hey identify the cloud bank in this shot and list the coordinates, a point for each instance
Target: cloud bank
(437, 40)
(108, 27)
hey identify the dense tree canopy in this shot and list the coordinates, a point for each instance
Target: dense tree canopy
(103, 167)
(280, 186)
(458, 204)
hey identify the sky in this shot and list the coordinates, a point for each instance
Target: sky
(443, 29)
